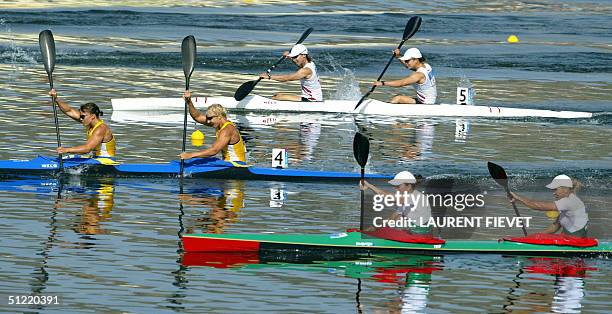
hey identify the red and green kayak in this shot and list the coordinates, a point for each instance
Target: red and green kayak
(356, 241)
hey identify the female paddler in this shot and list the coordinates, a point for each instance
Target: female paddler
(228, 140)
(416, 209)
(572, 218)
(422, 79)
(100, 139)
(306, 73)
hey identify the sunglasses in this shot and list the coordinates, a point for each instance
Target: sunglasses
(209, 118)
(82, 117)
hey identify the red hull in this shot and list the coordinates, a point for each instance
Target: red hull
(195, 244)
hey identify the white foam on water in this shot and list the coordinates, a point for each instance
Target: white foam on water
(347, 86)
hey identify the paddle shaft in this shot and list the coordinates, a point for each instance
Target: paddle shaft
(47, 52)
(361, 222)
(380, 76)
(361, 150)
(188, 56)
(268, 71)
(57, 129)
(498, 173)
(246, 88)
(184, 128)
(515, 209)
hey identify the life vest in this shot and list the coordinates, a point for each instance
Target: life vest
(233, 152)
(107, 149)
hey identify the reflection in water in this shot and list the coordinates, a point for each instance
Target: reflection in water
(417, 145)
(309, 137)
(223, 208)
(96, 208)
(40, 275)
(411, 274)
(462, 130)
(568, 290)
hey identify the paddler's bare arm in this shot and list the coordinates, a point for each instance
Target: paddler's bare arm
(221, 142)
(416, 77)
(553, 228)
(299, 74)
(96, 138)
(364, 185)
(195, 113)
(67, 109)
(533, 204)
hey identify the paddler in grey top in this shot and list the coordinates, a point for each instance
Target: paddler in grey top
(418, 209)
(572, 217)
(307, 74)
(422, 79)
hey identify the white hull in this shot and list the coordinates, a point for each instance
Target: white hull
(369, 107)
(247, 119)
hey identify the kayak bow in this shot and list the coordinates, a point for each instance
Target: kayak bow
(355, 242)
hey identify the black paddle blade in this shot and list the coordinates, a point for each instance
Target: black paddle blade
(361, 149)
(47, 50)
(188, 49)
(244, 90)
(412, 27)
(304, 35)
(498, 174)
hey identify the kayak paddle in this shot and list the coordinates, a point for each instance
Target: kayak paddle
(411, 28)
(499, 175)
(361, 150)
(246, 88)
(188, 50)
(47, 51)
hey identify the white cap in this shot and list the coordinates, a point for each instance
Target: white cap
(412, 53)
(559, 181)
(297, 50)
(403, 177)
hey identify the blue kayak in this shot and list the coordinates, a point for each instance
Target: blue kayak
(93, 185)
(197, 168)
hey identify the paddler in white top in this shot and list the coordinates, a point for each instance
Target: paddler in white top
(307, 74)
(423, 79)
(100, 138)
(572, 217)
(228, 140)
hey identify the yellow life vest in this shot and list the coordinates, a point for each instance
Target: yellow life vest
(103, 149)
(233, 152)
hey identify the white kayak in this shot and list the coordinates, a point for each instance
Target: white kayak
(369, 107)
(251, 119)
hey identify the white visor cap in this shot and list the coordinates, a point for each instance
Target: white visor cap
(559, 181)
(297, 50)
(412, 53)
(403, 177)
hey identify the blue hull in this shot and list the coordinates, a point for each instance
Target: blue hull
(196, 168)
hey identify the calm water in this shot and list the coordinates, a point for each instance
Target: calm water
(112, 245)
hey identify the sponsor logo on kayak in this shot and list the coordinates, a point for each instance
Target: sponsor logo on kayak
(49, 166)
(364, 244)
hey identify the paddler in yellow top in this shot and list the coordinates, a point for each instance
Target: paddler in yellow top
(228, 140)
(100, 139)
